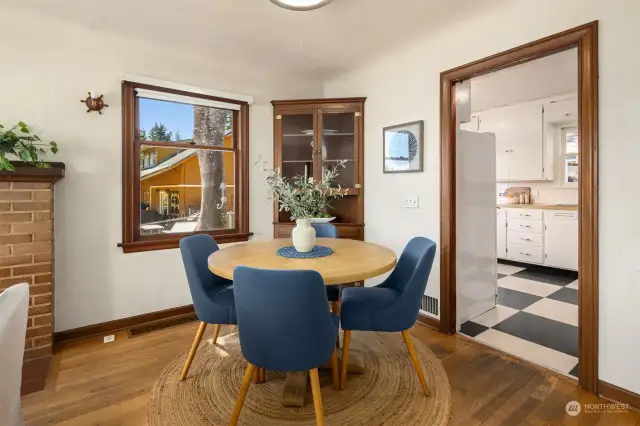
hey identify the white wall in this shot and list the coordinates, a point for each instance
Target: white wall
(47, 67)
(404, 86)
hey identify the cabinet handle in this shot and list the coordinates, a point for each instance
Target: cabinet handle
(525, 254)
(525, 226)
(526, 239)
(358, 114)
(525, 215)
(357, 186)
(278, 117)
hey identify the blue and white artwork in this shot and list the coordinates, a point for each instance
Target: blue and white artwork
(403, 148)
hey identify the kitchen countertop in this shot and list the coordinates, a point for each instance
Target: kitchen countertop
(539, 206)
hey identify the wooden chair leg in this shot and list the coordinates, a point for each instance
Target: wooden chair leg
(334, 307)
(194, 348)
(317, 396)
(334, 370)
(263, 375)
(244, 388)
(345, 358)
(256, 376)
(216, 331)
(416, 362)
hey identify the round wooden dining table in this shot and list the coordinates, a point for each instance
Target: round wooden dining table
(351, 261)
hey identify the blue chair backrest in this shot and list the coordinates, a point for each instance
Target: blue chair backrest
(410, 277)
(325, 230)
(283, 318)
(195, 250)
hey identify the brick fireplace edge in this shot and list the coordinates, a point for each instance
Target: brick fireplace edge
(26, 255)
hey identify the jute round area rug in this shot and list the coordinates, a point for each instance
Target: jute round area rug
(387, 393)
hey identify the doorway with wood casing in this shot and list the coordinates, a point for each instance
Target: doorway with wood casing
(584, 40)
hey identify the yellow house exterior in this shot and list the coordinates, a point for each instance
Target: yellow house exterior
(170, 180)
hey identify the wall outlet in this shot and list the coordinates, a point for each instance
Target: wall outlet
(411, 202)
(110, 338)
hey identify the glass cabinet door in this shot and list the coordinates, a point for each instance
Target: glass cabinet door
(297, 132)
(339, 144)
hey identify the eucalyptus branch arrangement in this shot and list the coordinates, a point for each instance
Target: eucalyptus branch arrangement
(20, 142)
(301, 196)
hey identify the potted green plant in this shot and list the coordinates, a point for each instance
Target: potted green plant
(305, 198)
(20, 142)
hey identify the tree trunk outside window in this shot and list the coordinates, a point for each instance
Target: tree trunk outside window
(208, 130)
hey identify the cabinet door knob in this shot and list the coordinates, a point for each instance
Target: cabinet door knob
(357, 186)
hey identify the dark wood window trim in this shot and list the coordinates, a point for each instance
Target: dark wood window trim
(131, 240)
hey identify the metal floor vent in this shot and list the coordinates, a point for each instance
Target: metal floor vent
(139, 330)
(429, 304)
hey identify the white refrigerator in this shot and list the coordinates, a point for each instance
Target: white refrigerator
(476, 240)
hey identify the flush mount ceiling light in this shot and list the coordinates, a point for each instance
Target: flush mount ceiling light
(301, 4)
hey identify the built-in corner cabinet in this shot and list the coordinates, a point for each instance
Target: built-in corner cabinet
(543, 237)
(525, 134)
(309, 137)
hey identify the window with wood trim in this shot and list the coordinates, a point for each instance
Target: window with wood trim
(185, 168)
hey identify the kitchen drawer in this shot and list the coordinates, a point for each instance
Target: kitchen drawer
(525, 253)
(501, 213)
(560, 214)
(524, 214)
(525, 238)
(525, 225)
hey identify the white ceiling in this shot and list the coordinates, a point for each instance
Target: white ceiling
(319, 44)
(549, 76)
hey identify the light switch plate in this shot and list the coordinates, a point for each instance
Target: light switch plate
(411, 202)
(110, 338)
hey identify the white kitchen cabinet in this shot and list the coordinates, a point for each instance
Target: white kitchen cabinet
(561, 239)
(490, 122)
(519, 140)
(546, 237)
(502, 237)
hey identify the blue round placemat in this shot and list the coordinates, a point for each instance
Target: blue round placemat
(291, 252)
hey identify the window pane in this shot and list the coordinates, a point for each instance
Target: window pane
(186, 190)
(176, 122)
(571, 168)
(571, 137)
(571, 154)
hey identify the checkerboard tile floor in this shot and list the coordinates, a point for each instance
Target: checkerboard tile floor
(536, 318)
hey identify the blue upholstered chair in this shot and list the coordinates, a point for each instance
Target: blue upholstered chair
(391, 306)
(212, 295)
(327, 230)
(284, 324)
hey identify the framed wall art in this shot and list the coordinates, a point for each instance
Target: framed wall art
(403, 147)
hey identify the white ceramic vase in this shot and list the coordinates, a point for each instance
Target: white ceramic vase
(303, 236)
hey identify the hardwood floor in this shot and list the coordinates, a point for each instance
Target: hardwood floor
(93, 383)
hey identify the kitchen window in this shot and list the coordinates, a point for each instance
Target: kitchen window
(185, 167)
(570, 145)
